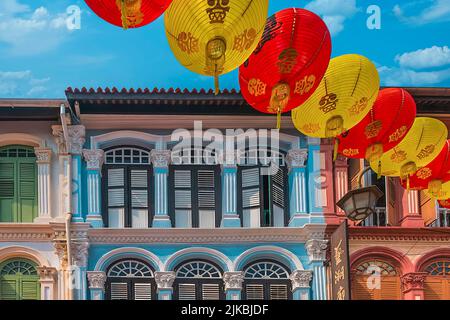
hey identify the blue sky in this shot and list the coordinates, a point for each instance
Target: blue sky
(40, 57)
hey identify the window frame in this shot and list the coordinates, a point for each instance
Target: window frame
(127, 188)
(195, 209)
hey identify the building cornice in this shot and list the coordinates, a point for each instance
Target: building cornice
(399, 234)
(26, 232)
(198, 236)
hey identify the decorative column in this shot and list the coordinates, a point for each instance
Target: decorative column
(317, 250)
(161, 160)
(60, 245)
(75, 148)
(230, 216)
(43, 160)
(164, 281)
(410, 209)
(412, 285)
(296, 159)
(97, 280)
(79, 251)
(47, 279)
(340, 181)
(301, 284)
(233, 284)
(94, 161)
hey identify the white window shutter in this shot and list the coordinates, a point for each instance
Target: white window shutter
(254, 291)
(142, 291)
(186, 291)
(119, 291)
(210, 291)
(278, 292)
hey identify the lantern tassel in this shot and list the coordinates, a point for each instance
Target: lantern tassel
(379, 171)
(216, 84)
(407, 183)
(124, 13)
(335, 150)
(279, 119)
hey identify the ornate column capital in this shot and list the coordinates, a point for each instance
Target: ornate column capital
(96, 279)
(76, 139)
(43, 155)
(296, 158)
(58, 133)
(94, 158)
(301, 279)
(61, 251)
(160, 158)
(233, 280)
(79, 253)
(413, 281)
(47, 273)
(317, 249)
(164, 279)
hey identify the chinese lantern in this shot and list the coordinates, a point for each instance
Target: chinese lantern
(421, 145)
(390, 118)
(213, 37)
(442, 194)
(433, 175)
(444, 203)
(288, 63)
(128, 13)
(343, 98)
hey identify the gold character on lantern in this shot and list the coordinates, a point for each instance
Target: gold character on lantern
(359, 106)
(425, 152)
(373, 129)
(245, 40)
(350, 152)
(424, 173)
(328, 103)
(398, 156)
(187, 42)
(311, 128)
(287, 60)
(256, 87)
(218, 10)
(398, 134)
(304, 85)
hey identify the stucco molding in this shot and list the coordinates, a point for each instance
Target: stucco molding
(301, 279)
(233, 280)
(317, 249)
(413, 281)
(23, 252)
(94, 158)
(13, 232)
(20, 138)
(43, 155)
(119, 253)
(296, 158)
(164, 279)
(96, 280)
(160, 158)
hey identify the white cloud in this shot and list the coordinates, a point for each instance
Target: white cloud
(19, 83)
(425, 58)
(28, 32)
(436, 11)
(334, 12)
(407, 77)
(11, 7)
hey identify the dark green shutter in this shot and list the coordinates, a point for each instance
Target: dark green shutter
(7, 191)
(27, 192)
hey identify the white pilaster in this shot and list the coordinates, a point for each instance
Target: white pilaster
(94, 161)
(296, 159)
(161, 160)
(317, 251)
(43, 160)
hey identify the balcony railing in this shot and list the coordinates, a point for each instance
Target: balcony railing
(378, 219)
(443, 219)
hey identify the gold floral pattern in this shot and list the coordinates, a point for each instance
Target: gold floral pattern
(256, 87)
(328, 103)
(424, 173)
(187, 42)
(245, 40)
(398, 134)
(311, 128)
(359, 106)
(425, 152)
(287, 60)
(399, 156)
(373, 129)
(305, 85)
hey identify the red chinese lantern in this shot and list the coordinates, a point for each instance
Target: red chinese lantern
(288, 63)
(389, 120)
(444, 203)
(128, 13)
(433, 175)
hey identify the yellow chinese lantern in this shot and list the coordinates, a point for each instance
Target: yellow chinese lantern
(344, 97)
(442, 194)
(213, 37)
(419, 147)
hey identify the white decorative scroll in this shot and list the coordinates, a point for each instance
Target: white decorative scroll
(296, 158)
(233, 280)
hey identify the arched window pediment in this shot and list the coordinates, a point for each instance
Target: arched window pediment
(130, 269)
(198, 269)
(386, 269)
(127, 156)
(439, 267)
(266, 270)
(23, 267)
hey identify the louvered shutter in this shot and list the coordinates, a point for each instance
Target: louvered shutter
(183, 198)
(142, 291)
(360, 290)
(391, 196)
(210, 291)
(278, 292)
(390, 288)
(29, 289)
(119, 291)
(437, 288)
(7, 191)
(254, 291)
(186, 291)
(251, 198)
(139, 198)
(206, 198)
(27, 192)
(9, 289)
(116, 198)
(278, 198)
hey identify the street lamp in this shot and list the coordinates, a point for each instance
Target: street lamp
(360, 203)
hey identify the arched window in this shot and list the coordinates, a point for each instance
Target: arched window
(376, 279)
(263, 197)
(18, 186)
(198, 280)
(437, 283)
(19, 280)
(127, 185)
(130, 280)
(267, 280)
(195, 197)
